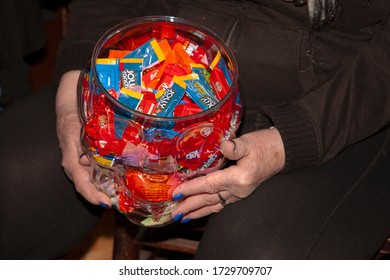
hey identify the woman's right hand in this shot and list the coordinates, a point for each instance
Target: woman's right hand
(76, 165)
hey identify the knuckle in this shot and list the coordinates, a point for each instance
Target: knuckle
(78, 188)
(240, 195)
(245, 179)
(64, 163)
(208, 199)
(212, 183)
(215, 208)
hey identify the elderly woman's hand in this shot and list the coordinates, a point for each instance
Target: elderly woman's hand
(259, 155)
(76, 166)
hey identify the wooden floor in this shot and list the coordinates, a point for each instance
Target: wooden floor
(98, 245)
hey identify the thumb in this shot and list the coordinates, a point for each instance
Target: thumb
(83, 160)
(234, 149)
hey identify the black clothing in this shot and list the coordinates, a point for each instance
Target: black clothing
(41, 215)
(325, 90)
(22, 35)
(338, 210)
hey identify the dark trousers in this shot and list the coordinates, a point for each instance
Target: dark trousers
(339, 210)
(41, 216)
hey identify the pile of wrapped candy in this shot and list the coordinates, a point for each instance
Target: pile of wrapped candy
(165, 79)
(168, 79)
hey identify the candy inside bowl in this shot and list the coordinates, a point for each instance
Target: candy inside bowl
(157, 99)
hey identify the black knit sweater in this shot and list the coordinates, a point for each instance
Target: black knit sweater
(323, 89)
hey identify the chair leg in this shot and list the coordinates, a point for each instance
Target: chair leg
(125, 247)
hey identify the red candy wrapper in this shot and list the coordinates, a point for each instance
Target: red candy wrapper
(170, 71)
(101, 135)
(150, 187)
(186, 109)
(219, 83)
(148, 103)
(198, 147)
(150, 76)
(177, 58)
(163, 147)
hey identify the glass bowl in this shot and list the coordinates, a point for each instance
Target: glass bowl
(158, 97)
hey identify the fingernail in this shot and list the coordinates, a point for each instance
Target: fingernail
(104, 205)
(178, 217)
(234, 143)
(186, 220)
(178, 196)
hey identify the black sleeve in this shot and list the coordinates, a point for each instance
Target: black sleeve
(353, 104)
(88, 20)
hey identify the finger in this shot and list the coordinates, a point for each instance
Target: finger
(87, 189)
(201, 205)
(93, 195)
(195, 202)
(234, 149)
(208, 184)
(203, 212)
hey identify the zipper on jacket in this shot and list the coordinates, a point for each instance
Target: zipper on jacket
(230, 34)
(241, 13)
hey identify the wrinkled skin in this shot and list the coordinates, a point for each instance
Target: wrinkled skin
(259, 155)
(68, 132)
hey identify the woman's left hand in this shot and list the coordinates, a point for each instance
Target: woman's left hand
(259, 155)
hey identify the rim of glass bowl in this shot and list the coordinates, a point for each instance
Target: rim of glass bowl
(126, 25)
